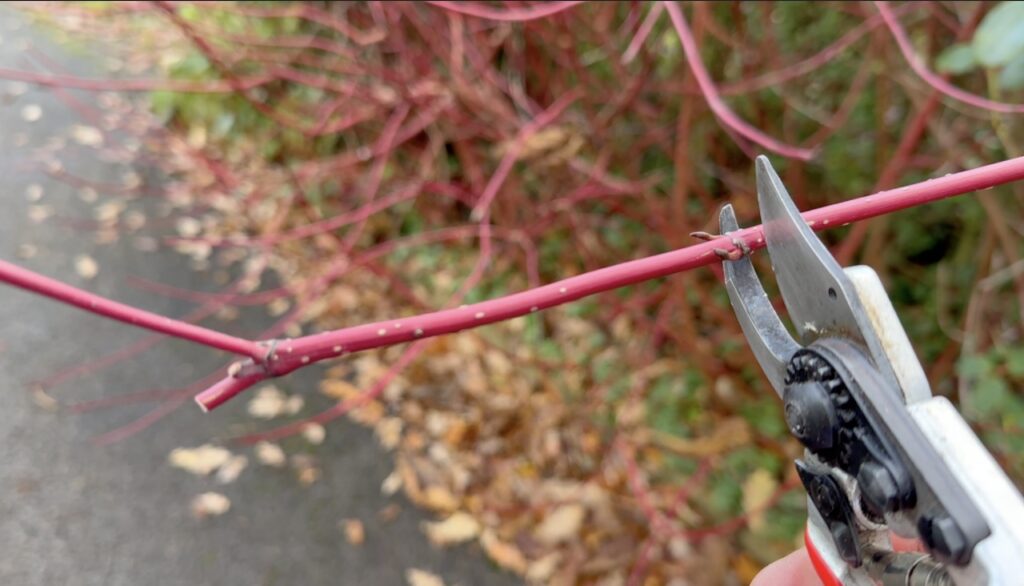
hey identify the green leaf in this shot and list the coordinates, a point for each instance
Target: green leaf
(549, 350)
(977, 366)
(163, 104)
(603, 370)
(1015, 361)
(189, 12)
(223, 123)
(1000, 36)
(1012, 76)
(990, 397)
(956, 59)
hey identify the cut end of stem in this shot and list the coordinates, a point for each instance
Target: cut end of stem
(224, 390)
(202, 405)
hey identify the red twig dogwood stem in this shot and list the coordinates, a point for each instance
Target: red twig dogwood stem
(508, 15)
(54, 289)
(290, 355)
(725, 115)
(279, 357)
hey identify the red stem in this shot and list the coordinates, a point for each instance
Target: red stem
(512, 154)
(642, 33)
(725, 115)
(139, 424)
(930, 77)
(293, 354)
(304, 11)
(25, 279)
(133, 85)
(509, 15)
(343, 407)
(813, 62)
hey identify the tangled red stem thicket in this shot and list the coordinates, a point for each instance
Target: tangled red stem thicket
(449, 99)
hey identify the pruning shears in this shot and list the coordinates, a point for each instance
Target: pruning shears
(882, 455)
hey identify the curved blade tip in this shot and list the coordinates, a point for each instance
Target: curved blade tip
(727, 219)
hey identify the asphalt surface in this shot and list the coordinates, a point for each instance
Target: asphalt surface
(75, 513)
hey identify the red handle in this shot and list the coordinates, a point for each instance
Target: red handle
(820, 566)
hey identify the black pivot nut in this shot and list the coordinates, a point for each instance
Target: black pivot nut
(878, 488)
(835, 510)
(943, 538)
(810, 414)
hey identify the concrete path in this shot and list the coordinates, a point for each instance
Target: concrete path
(74, 513)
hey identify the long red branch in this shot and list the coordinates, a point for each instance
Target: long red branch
(54, 289)
(293, 354)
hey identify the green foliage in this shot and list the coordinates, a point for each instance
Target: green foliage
(998, 46)
(957, 59)
(989, 377)
(994, 403)
(1000, 36)
(1012, 76)
(765, 416)
(230, 118)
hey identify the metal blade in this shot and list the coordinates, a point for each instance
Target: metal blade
(819, 297)
(767, 336)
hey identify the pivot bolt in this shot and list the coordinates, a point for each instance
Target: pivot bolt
(846, 543)
(810, 415)
(878, 488)
(943, 538)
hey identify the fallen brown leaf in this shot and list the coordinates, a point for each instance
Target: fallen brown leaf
(422, 578)
(31, 112)
(388, 513)
(210, 504)
(504, 554)
(561, 525)
(758, 489)
(540, 570)
(231, 469)
(439, 498)
(200, 461)
(34, 192)
(27, 251)
(314, 433)
(355, 533)
(87, 135)
(86, 266)
(43, 400)
(457, 528)
(270, 454)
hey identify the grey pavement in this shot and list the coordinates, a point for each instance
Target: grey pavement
(75, 513)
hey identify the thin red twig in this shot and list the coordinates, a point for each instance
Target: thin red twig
(54, 289)
(642, 33)
(725, 115)
(512, 14)
(133, 85)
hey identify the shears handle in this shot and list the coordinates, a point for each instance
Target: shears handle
(828, 565)
(825, 573)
